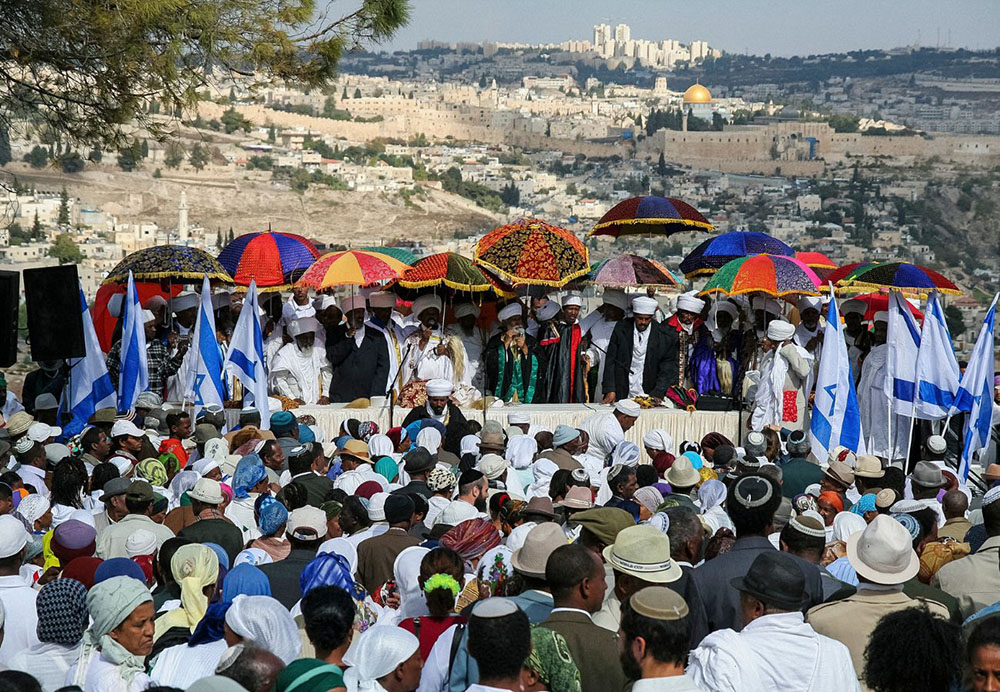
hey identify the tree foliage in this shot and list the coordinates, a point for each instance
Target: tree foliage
(65, 249)
(198, 157)
(956, 323)
(87, 69)
(232, 120)
(63, 219)
(173, 154)
(38, 157)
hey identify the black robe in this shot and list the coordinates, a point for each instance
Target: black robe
(561, 358)
(498, 380)
(455, 430)
(358, 371)
(660, 367)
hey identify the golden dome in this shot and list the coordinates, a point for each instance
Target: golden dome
(696, 93)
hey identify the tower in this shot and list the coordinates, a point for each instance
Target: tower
(182, 218)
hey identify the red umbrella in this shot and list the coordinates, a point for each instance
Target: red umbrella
(877, 302)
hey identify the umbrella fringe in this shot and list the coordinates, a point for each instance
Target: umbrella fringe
(158, 276)
(535, 282)
(743, 291)
(651, 222)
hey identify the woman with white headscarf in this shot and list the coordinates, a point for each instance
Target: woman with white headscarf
(649, 499)
(119, 638)
(384, 658)
(542, 471)
(430, 439)
(406, 571)
(265, 623)
(469, 445)
(521, 451)
(381, 446)
(711, 495)
(657, 440)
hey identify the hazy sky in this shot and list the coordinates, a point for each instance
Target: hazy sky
(779, 27)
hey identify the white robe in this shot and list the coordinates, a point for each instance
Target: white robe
(600, 331)
(605, 433)
(874, 407)
(774, 652)
(640, 342)
(299, 376)
(474, 345)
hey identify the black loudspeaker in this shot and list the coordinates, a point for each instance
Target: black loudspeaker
(55, 320)
(10, 283)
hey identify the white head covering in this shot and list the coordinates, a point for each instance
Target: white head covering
(380, 446)
(711, 494)
(423, 303)
(766, 304)
(352, 303)
(690, 303)
(547, 311)
(406, 570)
(466, 309)
(324, 301)
(469, 445)
(572, 299)
(343, 547)
(613, 296)
(140, 542)
(203, 466)
(252, 556)
(779, 330)
(184, 301)
(115, 304)
(32, 507)
(847, 523)
(807, 302)
(265, 623)
(644, 306)
(379, 651)
(439, 387)
(853, 307)
(628, 407)
(626, 453)
(881, 316)
(521, 451)
(514, 309)
(429, 439)
(303, 325)
(649, 497)
(382, 299)
(658, 439)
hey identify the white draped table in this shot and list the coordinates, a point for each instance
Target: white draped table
(682, 425)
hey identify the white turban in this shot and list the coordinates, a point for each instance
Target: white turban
(690, 303)
(726, 307)
(382, 299)
(612, 296)
(766, 304)
(115, 304)
(429, 439)
(265, 623)
(148, 316)
(518, 418)
(380, 446)
(658, 439)
(304, 325)
(628, 408)
(521, 450)
(439, 387)
(203, 466)
(853, 307)
(222, 299)
(469, 445)
(378, 652)
(424, 303)
(324, 301)
(547, 311)
(779, 330)
(185, 301)
(626, 453)
(351, 304)
(882, 316)
(510, 310)
(466, 309)
(809, 302)
(32, 507)
(572, 299)
(140, 542)
(644, 306)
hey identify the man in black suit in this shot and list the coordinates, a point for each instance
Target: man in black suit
(642, 357)
(359, 356)
(305, 530)
(440, 408)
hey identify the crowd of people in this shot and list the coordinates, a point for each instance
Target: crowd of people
(161, 549)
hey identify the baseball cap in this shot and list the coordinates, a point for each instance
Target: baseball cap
(306, 523)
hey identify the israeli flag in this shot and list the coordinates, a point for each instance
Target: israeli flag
(245, 359)
(207, 386)
(836, 418)
(901, 357)
(937, 370)
(975, 394)
(133, 372)
(90, 384)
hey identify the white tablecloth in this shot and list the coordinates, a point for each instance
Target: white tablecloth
(680, 424)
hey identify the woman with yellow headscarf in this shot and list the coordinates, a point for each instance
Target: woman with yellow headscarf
(195, 568)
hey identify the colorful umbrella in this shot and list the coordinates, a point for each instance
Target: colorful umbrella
(446, 269)
(397, 253)
(775, 275)
(659, 215)
(351, 268)
(530, 251)
(902, 276)
(631, 270)
(271, 258)
(877, 302)
(816, 260)
(712, 254)
(175, 263)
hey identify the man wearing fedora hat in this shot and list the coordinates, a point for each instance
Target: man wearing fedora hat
(838, 477)
(355, 460)
(884, 559)
(925, 482)
(417, 463)
(776, 648)
(640, 557)
(682, 478)
(974, 579)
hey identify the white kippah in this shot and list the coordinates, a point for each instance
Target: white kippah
(807, 530)
(991, 496)
(494, 608)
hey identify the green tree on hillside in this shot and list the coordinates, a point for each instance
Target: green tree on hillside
(173, 154)
(65, 249)
(198, 156)
(63, 219)
(232, 120)
(955, 321)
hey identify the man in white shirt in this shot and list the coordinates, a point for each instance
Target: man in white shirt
(605, 431)
(599, 325)
(31, 456)
(300, 370)
(653, 641)
(139, 503)
(776, 649)
(473, 338)
(18, 616)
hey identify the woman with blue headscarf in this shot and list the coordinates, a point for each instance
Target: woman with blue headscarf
(249, 482)
(331, 569)
(271, 519)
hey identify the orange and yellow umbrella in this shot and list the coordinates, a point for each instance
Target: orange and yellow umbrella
(352, 268)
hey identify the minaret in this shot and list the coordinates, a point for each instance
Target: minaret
(182, 218)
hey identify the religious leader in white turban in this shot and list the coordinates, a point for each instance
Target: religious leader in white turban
(300, 370)
(439, 406)
(686, 322)
(873, 402)
(473, 338)
(809, 333)
(598, 327)
(386, 320)
(782, 393)
(513, 368)
(606, 431)
(430, 354)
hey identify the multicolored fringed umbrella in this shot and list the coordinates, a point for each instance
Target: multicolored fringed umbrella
(530, 251)
(816, 260)
(715, 252)
(846, 270)
(902, 276)
(351, 268)
(631, 270)
(271, 258)
(398, 253)
(774, 275)
(174, 263)
(446, 269)
(877, 302)
(655, 215)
